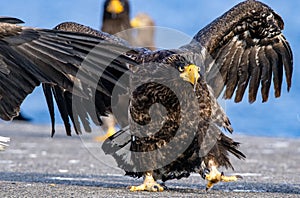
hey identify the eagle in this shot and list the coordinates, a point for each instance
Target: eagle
(172, 124)
(116, 19)
(144, 29)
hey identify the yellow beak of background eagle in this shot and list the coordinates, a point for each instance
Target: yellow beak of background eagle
(115, 6)
(190, 73)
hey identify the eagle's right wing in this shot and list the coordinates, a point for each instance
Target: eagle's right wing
(81, 113)
(72, 61)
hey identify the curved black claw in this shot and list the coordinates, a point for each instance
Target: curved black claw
(204, 172)
(164, 186)
(156, 188)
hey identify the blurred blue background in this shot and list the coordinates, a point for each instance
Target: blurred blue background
(278, 117)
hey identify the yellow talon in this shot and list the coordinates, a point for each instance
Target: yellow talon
(215, 176)
(149, 185)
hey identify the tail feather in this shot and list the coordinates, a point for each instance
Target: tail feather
(232, 146)
(224, 146)
(119, 146)
(214, 144)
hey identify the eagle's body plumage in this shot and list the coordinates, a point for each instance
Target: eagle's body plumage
(172, 121)
(208, 117)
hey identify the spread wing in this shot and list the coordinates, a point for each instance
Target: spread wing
(111, 73)
(244, 48)
(30, 56)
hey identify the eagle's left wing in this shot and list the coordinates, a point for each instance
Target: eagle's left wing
(244, 48)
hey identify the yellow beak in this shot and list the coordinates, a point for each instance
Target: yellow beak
(115, 6)
(191, 74)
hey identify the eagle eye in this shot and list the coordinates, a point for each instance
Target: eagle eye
(181, 68)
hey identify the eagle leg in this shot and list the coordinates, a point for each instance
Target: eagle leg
(110, 122)
(110, 131)
(149, 184)
(214, 176)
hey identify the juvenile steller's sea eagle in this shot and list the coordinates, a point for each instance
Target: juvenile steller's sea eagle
(173, 123)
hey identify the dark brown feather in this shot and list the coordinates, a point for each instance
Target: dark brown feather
(256, 26)
(266, 74)
(255, 73)
(243, 73)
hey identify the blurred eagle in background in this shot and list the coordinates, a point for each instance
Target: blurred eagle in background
(173, 125)
(138, 32)
(116, 20)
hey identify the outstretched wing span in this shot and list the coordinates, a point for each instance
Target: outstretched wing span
(30, 56)
(244, 48)
(108, 77)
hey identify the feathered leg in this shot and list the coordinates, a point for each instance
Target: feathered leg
(149, 184)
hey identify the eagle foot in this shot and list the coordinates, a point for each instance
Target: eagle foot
(149, 185)
(215, 176)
